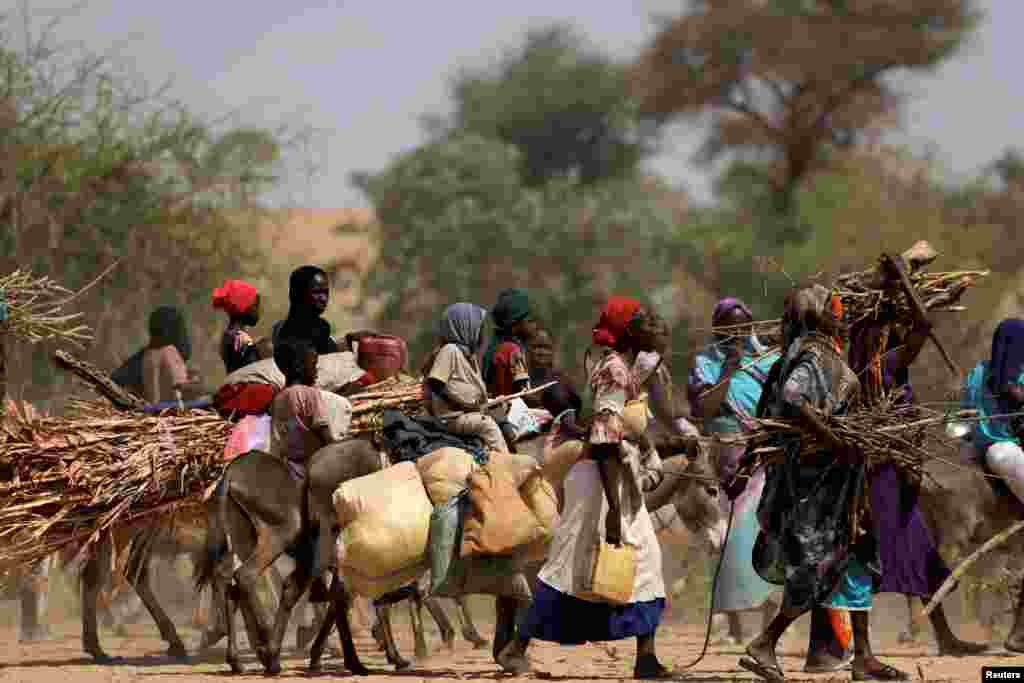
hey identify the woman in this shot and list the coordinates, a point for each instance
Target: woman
(724, 389)
(811, 542)
(457, 391)
(996, 387)
(241, 302)
(304, 418)
(308, 295)
(655, 379)
(505, 367)
(164, 374)
(612, 468)
(911, 562)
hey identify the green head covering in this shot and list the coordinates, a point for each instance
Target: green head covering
(513, 305)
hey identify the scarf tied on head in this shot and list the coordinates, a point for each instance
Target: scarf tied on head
(727, 305)
(235, 297)
(616, 316)
(512, 306)
(1007, 360)
(462, 325)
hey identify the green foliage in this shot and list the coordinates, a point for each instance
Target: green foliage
(563, 104)
(457, 224)
(98, 168)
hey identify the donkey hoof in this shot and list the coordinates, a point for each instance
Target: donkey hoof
(315, 667)
(402, 664)
(357, 669)
(178, 652)
(236, 667)
(907, 637)
(1015, 643)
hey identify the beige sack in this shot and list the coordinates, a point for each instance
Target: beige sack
(539, 495)
(385, 522)
(520, 466)
(498, 522)
(558, 461)
(445, 472)
(334, 370)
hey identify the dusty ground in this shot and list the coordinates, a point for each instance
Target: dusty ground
(61, 659)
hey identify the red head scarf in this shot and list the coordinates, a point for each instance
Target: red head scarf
(838, 311)
(235, 297)
(615, 318)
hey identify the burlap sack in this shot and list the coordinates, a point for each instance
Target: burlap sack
(558, 461)
(498, 522)
(519, 465)
(334, 370)
(385, 523)
(445, 472)
(539, 495)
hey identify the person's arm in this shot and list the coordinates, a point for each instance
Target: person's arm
(711, 397)
(439, 388)
(794, 394)
(183, 381)
(661, 406)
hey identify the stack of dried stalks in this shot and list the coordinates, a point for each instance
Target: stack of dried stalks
(37, 309)
(863, 298)
(76, 476)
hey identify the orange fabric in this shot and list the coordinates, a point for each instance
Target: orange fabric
(838, 311)
(841, 626)
(235, 297)
(615, 318)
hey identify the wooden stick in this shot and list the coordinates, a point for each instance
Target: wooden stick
(106, 387)
(915, 301)
(511, 397)
(951, 581)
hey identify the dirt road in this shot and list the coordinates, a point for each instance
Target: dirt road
(61, 660)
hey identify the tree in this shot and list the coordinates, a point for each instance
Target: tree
(95, 166)
(563, 104)
(793, 80)
(455, 223)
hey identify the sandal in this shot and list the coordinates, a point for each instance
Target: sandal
(765, 671)
(885, 673)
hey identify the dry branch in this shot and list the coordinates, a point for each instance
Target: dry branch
(962, 568)
(36, 310)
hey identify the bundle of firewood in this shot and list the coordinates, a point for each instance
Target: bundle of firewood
(76, 476)
(875, 293)
(368, 406)
(883, 434)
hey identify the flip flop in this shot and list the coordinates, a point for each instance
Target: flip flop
(886, 673)
(765, 671)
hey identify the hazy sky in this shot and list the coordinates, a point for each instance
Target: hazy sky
(362, 71)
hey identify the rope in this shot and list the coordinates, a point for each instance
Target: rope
(714, 589)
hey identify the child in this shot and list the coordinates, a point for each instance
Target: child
(304, 419)
(242, 304)
(454, 380)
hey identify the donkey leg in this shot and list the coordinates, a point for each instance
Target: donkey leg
(294, 587)
(348, 648)
(141, 583)
(469, 630)
(316, 651)
(416, 619)
(227, 607)
(93, 576)
(1015, 641)
(440, 618)
(390, 649)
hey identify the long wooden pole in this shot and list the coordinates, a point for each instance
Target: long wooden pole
(952, 579)
(915, 301)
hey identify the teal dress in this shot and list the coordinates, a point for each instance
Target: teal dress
(739, 586)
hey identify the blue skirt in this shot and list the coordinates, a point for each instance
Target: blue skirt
(565, 619)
